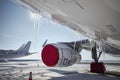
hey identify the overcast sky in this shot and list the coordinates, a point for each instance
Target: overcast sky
(18, 25)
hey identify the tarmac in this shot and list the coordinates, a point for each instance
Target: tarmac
(21, 71)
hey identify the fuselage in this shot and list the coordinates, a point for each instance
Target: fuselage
(20, 52)
(10, 54)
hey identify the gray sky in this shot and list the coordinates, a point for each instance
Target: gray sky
(17, 26)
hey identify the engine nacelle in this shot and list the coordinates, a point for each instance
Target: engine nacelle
(59, 55)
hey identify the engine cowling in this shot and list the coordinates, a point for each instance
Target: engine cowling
(59, 55)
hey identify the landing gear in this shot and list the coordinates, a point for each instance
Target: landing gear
(97, 67)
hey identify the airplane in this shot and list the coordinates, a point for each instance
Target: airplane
(97, 19)
(21, 52)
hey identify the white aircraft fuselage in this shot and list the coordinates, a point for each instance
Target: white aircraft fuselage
(9, 54)
(21, 52)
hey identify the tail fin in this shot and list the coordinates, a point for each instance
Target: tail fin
(25, 47)
(21, 47)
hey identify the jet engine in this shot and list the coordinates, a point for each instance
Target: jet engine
(59, 55)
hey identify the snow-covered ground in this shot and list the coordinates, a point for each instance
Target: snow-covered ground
(21, 70)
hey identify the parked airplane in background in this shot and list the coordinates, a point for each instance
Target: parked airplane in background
(21, 52)
(96, 19)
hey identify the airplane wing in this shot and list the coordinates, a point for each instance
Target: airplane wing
(30, 53)
(86, 17)
(99, 20)
(78, 45)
